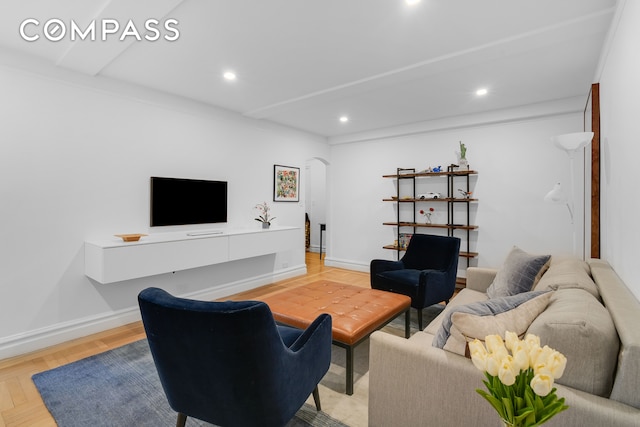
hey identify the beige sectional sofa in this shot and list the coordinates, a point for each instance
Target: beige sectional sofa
(592, 318)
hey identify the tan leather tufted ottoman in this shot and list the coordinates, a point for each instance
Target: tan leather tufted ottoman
(356, 312)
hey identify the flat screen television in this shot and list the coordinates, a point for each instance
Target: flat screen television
(178, 201)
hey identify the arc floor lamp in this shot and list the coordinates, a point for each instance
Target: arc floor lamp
(570, 143)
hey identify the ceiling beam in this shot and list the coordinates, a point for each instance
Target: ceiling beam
(90, 57)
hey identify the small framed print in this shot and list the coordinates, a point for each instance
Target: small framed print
(404, 240)
(286, 183)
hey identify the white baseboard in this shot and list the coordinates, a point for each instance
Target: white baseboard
(346, 264)
(227, 289)
(316, 249)
(61, 332)
(38, 339)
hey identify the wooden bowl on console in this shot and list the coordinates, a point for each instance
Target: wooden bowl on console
(130, 237)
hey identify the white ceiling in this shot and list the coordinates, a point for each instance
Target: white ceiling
(305, 63)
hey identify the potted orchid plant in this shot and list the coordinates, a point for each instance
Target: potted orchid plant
(520, 376)
(263, 214)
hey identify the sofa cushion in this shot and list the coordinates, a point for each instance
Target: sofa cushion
(519, 273)
(567, 273)
(579, 327)
(495, 316)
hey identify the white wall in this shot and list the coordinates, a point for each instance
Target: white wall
(516, 163)
(77, 154)
(620, 109)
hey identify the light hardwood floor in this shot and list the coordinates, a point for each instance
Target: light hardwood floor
(20, 402)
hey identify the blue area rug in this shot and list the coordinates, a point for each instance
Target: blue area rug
(121, 388)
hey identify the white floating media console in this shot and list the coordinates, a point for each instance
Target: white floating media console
(112, 260)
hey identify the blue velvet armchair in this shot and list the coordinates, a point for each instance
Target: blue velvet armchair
(426, 273)
(228, 363)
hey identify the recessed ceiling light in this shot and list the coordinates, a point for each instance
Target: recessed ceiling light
(412, 2)
(482, 92)
(229, 75)
(344, 119)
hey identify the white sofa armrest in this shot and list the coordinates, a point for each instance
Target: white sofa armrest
(479, 278)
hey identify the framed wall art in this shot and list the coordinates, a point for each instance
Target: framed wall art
(286, 183)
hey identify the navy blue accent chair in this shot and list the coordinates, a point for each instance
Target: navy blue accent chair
(426, 273)
(228, 363)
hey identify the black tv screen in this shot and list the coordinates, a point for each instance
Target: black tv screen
(178, 201)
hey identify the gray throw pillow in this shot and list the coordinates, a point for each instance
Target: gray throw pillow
(519, 273)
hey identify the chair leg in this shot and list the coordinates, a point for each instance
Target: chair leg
(419, 318)
(182, 419)
(316, 398)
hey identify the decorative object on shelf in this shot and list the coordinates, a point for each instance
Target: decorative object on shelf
(427, 214)
(286, 183)
(520, 384)
(427, 170)
(463, 164)
(463, 151)
(264, 217)
(404, 239)
(429, 195)
(465, 194)
(130, 237)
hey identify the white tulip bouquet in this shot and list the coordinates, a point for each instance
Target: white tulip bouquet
(520, 376)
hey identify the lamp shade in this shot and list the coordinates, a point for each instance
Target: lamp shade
(572, 141)
(556, 195)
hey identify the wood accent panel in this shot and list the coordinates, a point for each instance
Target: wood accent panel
(593, 106)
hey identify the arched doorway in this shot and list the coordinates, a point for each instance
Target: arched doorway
(316, 204)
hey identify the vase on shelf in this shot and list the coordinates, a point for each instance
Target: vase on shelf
(265, 225)
(427, 215)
